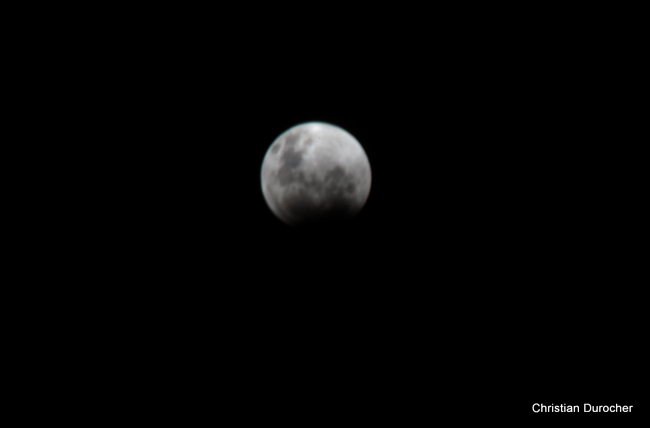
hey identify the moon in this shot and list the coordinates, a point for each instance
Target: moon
(315, 173)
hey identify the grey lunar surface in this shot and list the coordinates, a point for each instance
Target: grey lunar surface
(314, 173)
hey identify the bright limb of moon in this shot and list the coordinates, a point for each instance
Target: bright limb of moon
(315, 172)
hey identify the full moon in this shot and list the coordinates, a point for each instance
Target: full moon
(315, 173)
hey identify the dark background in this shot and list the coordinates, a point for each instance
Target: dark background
(494, 261)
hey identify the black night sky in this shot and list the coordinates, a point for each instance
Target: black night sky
(491, 256)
